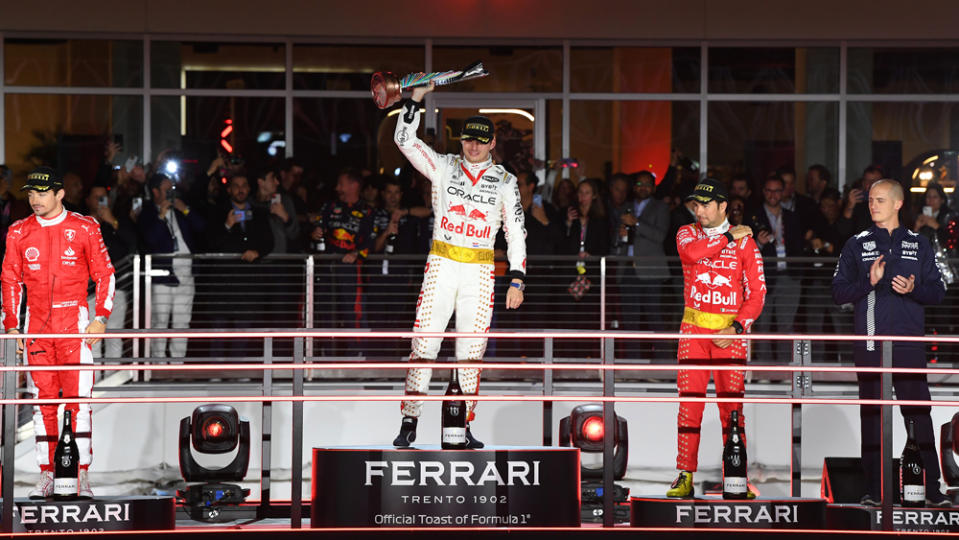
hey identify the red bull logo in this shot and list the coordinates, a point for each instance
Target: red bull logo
(457, 210)
(476, 214)
(713, 280)
(715, 298)
(341, 234)
(469, 230)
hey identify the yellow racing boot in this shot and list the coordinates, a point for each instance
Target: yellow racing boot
(682, 487)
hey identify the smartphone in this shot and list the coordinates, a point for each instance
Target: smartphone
(137, 204)
(103, 201)
(927, 211)
(243, 215)
(538, 199)
(276, 199)
(130, 163)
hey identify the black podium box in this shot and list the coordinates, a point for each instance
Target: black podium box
(714, 512)
(429, 487)
(865, 518)
(94, 515)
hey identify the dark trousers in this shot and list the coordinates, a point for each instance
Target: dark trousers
(908, 387)
(338, 306)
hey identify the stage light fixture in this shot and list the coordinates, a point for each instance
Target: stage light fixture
(948, 449)
(213, 429)
(585, 430)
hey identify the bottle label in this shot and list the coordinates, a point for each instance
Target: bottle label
(734, 484)
(64, 486)
(454, 435)
(913, 493)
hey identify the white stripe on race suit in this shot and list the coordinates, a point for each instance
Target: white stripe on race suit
(871, 320)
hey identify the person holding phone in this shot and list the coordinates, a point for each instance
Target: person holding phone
(120, 236)
(170, 231)
(239, 227)
(283, 223)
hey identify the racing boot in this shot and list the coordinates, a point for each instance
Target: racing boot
(471, 442)
(682, 487)
(44, 487)
(407, 432)
(83, 485)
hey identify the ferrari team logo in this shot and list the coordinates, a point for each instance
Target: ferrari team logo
(70, 234)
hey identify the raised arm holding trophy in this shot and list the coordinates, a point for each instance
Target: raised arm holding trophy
(472, 198)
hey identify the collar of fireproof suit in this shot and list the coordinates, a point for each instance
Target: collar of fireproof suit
(716, 231)
(476, 167)
(52, 221)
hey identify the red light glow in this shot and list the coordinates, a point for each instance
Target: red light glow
(593, 429)
(214, 430)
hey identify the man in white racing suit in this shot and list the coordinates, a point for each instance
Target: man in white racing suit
(472, 198)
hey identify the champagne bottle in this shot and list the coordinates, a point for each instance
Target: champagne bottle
(67, 465)
(912, 475)
(624, 238)
(390, 247)
(734, 462)
(454, 416)
(319, 246)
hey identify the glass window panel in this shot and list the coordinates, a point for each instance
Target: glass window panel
(73, 62)
(630, 136)
(759, 137)
(203, 64)
(349, 67)
(774, 70)
(899, 137)
(903, 70)
(331, 134)
(191, 126)
(634, 69)
(512, 69)
(69, 131)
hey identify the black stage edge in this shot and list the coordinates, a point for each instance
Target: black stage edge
(429, 487)
(718, 513)
(856, 517)
(93, 515)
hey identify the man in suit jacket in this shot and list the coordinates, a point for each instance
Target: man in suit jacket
(641, 280)
(779, 234)
(239, 227)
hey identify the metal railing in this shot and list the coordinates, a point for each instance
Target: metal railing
(801, 392)
(318, 291)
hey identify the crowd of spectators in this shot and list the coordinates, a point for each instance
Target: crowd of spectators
(171, 208)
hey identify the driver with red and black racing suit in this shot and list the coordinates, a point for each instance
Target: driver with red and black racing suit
(54, 253)
(724, 289)
(472, 198)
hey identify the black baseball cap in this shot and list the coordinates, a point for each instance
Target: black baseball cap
(709, 189)
(43, 179)
(478, 128)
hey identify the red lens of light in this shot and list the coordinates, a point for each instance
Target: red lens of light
(214, 429)
(593, 429)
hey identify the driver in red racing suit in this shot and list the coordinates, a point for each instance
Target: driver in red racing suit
(54, 253)
(724, 289)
